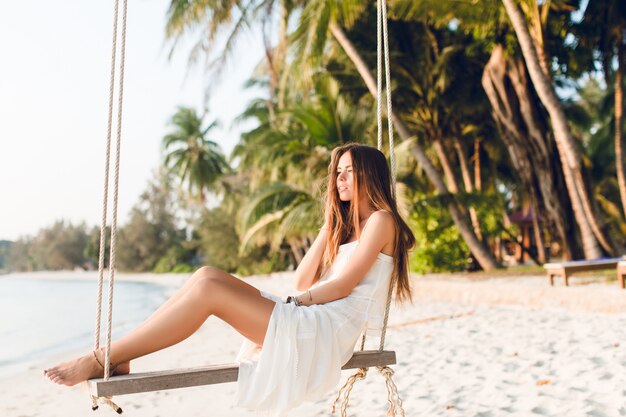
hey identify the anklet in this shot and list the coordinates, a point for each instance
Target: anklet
(98, 360)
(111, 366)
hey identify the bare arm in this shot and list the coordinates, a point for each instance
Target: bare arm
(305, 273)
(379, 232)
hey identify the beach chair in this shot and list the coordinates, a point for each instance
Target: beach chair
(621, 274)
(565, 269)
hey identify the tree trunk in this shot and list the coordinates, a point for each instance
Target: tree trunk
(541, 250)
(478, 184)
(538, 39)
(273, 84)
(570, 159)
(453, 185)
(619, 108)
(481, 253)
(523, 129)
(445, 164)
(467, 181)
(295, 251)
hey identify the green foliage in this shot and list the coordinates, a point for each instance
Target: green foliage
(317, 100)
(176, 259)
(5, 248)
(599, 34)
(197, 161)
(284, 163)
(218, 239)
(278, 212)
(439, 246)
(262, 261)
(152, 240)
(92, 250)
(152, 236)
(489, 208)
(19, 257)
(592, 115)
(59, 247)
(219, 246)
(183, 268)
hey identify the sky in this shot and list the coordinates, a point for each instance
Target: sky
(54, 80)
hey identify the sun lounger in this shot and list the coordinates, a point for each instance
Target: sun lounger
(621, 274)
(565, 269)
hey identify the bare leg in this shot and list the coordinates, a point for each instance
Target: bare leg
(212, 292)
(199, 274)
(124, 367)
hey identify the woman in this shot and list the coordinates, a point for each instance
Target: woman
(295, 349)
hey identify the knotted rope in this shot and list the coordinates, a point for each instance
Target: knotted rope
(113, 245)
(105, 401)
(393, 398)
(95, 401)
(395, 403)
(361, 373)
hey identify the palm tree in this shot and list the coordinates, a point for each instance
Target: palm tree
(593, 120)
(591, 235)
(604, 30)
(207, 19)
(278, 213)
(320, 18)
(478, 249)
(286, 163)
(278, 149)
(487, 20)
(196, 160)
(437, 90)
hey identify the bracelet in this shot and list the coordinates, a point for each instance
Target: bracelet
(310, 296)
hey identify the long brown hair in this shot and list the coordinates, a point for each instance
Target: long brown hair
(371, 178)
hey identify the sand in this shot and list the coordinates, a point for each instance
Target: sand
(508, 346)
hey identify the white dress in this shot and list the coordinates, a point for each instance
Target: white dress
(305, 347)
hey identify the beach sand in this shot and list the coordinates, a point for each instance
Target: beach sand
(508, 346)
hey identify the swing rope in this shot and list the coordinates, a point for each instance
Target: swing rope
(382, 42)
(113, 244)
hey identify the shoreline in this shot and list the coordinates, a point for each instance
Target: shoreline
(585, 293)
(35, 344)
(167, 279)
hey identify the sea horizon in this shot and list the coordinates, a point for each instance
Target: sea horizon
(48, 313)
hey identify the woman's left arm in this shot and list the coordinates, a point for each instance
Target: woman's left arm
(380, 230)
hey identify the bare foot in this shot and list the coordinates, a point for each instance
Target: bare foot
(86, 367)
(72, 372)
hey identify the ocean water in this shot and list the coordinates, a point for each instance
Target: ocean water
(44, 318)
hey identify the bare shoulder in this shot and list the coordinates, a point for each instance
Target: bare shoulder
(382, 224)
(382, 227)
(382, 218)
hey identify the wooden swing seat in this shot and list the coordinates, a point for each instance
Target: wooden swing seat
(207, 375)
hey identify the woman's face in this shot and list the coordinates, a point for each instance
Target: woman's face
(344, 177)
